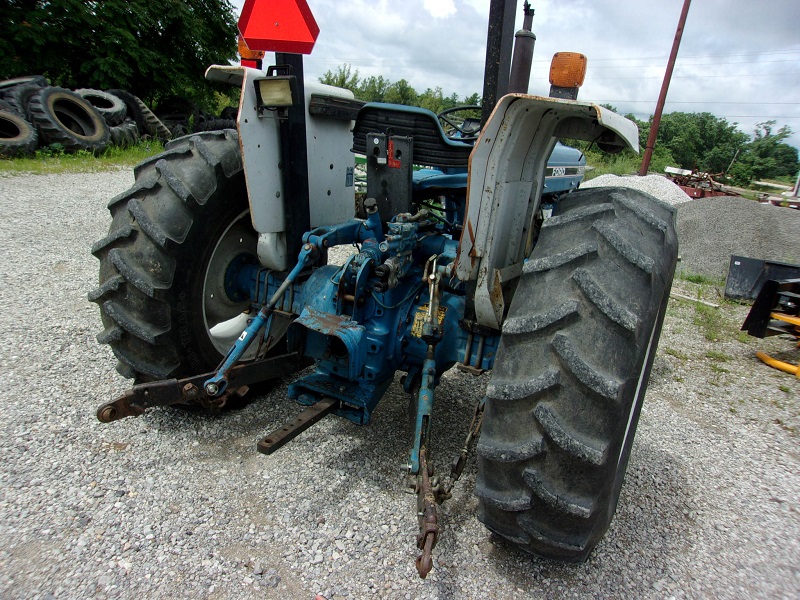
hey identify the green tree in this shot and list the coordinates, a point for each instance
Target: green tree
(768, 154)
(432, 99)
(380, 89)
(342, 77)
(401, 92)
(473, 100)
(698, 140)
(372, 89)
(153, 49)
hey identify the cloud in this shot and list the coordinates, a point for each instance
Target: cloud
(739, 59)
(439, 9)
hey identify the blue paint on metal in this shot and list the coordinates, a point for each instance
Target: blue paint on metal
(360, 342)
(359, 332)
(424, 409)
(358, 399)
(349, 354)
(216, 385)
(565, 170)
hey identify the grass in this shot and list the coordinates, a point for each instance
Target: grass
(623, 165)
(676, 353)
(53, 159)
(710, 322)
(702, 279)
(718, 356)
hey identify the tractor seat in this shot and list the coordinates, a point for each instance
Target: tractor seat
(432, 148)
(438, 181)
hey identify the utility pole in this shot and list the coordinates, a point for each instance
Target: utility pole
(651, 139)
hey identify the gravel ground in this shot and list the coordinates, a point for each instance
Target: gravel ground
(181, 505)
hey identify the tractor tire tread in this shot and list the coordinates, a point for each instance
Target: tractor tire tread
(152, 123)
(140, 257)
(111, 107)
(133, 111)
(51, 130)
(571, 370)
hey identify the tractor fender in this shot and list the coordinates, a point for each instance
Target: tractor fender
(506, 181)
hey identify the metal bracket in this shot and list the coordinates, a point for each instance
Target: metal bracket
(280, 437)
(138, 399)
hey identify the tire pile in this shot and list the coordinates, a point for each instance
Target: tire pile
(34, 114)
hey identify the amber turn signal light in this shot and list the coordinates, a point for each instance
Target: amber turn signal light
(567, 69)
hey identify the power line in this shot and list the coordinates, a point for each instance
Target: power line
(381, 61)
(737, 116)
(682, 57)
(682, 64)
(698, 102)
(737, 75)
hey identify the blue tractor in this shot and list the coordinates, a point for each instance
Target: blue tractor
(215, 276)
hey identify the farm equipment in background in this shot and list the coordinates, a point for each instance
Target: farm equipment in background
(697, 184)
(214, 276)
(776, 311)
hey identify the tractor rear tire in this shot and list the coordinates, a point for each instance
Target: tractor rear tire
(126, 134)
(153, 124)
(164, 260)
(572, 370)
(17, 136)
(134, 111)
(63, 117)
(20, 97)
(7, 84)
(110, 107)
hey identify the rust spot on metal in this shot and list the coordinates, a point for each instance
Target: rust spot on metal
(496, 294)
(324, 322)
(473, 255)
(304, 420)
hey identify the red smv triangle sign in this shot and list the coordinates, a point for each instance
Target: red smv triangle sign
(278, 26)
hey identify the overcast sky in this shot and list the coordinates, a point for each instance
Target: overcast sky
(739, 59)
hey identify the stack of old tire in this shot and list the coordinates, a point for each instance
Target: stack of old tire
(182, 116)
(33, 113)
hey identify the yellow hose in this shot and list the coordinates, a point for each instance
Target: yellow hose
(779, 364)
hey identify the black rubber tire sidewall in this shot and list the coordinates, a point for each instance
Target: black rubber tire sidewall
(125, 134)
(7, 84)
(23, 142)
(47, 111)
(189, 335)
(133, 109)
(193, 263)
(20, 97)
(113, 114)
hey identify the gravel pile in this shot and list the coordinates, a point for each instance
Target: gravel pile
(655, 185)
(175, 504)
(710, 230)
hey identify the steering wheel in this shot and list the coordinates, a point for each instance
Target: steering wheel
(460, 130)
